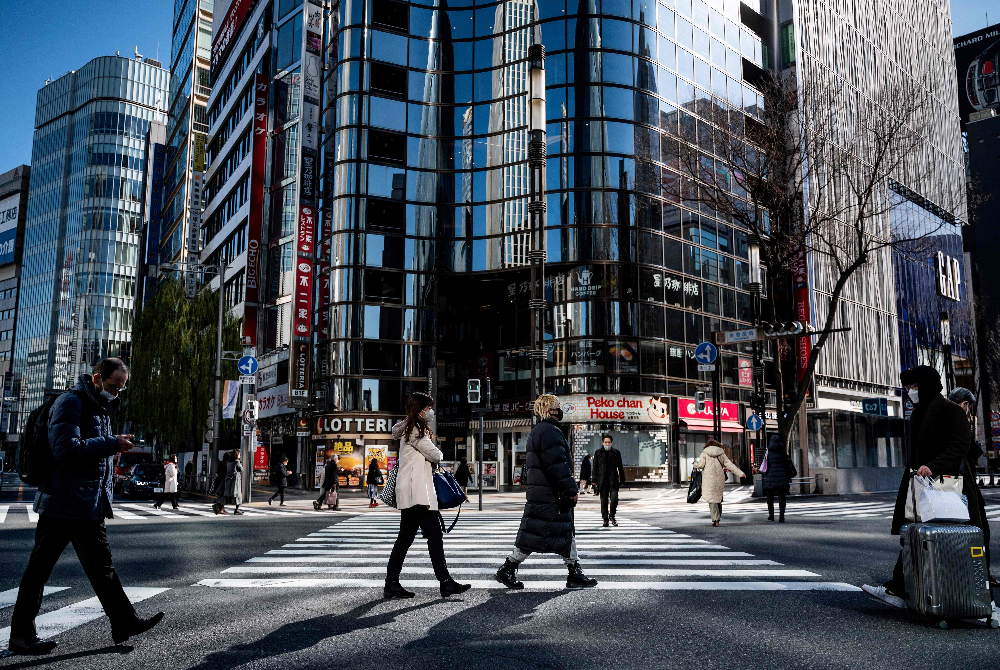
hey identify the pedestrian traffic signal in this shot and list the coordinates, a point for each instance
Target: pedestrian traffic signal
(699, 401)
(475, 396)
(784, 329)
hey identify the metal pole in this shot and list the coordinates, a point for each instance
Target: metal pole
(217, 418)
(717, 400)
(482, 415)
(536, 214)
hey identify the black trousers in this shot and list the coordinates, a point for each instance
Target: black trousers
(609, 503)
(781, 503)
(164, 497)
(412, 518)
(90, 540)
(280, 492)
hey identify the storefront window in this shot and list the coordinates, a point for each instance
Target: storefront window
(820, 440)
(864, 441)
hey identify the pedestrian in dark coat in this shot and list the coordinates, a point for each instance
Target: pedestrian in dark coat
(609, 475)
(72, 504)
(547, 523)
(463, 475)
(219, 486)
(331, 482)
(280, 479)
(939, 443)
(234, 482)
(780, 472)
(585, 470)
(374, 479)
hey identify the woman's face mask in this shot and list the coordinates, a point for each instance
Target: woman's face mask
(914, 395)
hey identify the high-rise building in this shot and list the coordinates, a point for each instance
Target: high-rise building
(81, 241)
(13, 212)
(187, 127)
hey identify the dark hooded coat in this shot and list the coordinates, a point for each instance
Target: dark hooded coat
(547, 526)
(780, 469)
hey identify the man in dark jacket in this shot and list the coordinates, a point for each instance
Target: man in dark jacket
(547, 523)
(331, 474)
(280, 479)
(72, 505)
(939, 442)
(609, 475)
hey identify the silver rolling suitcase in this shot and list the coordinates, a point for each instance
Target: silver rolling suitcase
(944, 566)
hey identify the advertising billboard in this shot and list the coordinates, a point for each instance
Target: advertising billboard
(9, 208)
(255, 218)
(977, 56)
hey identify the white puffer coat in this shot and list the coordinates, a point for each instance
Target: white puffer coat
(170, 478)
(415, 477)
(713, 463)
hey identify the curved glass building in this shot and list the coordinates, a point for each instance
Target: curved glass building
(84, 215)
(425, 167)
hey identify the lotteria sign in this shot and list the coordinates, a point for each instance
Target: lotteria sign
(330, 425)
(611, 407)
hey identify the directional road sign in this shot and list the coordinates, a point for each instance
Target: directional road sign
(754, 422)
(248, 365)
(706, 352)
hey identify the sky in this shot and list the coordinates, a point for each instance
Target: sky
(40, 43)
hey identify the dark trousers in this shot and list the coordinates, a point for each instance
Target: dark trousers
(412, 518)
(90, 540)
(897, 584)
(609, 503)
(280, 493)
(770, 504)
(322, 498)
(164, 497)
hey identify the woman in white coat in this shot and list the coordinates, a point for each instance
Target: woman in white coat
(169, 484)
(416, 498)
(713, 463)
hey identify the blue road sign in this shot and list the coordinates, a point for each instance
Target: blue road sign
(754, 422)
(706, 352)
(247, 365)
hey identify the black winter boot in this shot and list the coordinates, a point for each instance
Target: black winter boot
(396, 590)
(578, 580)
(507, 575)
(450, 587)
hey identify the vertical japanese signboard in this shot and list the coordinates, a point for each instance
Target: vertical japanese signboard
(152, 253)
(800, 281)
(305, 232)
(256, 215)
(194, 213)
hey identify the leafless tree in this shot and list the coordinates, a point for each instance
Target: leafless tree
(809, 174)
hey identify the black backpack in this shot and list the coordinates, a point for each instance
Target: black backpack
(35, 461)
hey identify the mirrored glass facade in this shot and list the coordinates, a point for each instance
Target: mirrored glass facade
(425, 167)
(75, 304)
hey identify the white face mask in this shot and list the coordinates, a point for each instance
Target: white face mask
(606, 446)
(429, 415)
(914, 396)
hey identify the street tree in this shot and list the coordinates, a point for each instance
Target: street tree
(173, 360)
(813, 175)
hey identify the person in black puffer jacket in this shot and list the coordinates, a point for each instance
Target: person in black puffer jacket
(547, 524)
(780, 471)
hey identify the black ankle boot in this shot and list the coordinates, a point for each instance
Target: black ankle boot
(450, 587)
(31, 646)
(396, 590)
(578, 580)
(507, 575)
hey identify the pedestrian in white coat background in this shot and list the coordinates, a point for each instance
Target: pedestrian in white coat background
(169, 484)
(416, 498)
(713, 463)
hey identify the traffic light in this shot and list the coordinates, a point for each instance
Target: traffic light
(699, 401)
(475, 396)
(784, 329)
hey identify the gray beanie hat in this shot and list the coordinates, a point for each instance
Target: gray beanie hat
(960, 395)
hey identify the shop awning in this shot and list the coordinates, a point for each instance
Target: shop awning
(707, 425)
(501, 423)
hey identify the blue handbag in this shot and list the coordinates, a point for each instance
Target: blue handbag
(449, 495)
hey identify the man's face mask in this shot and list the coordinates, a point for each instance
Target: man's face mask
(557, 414)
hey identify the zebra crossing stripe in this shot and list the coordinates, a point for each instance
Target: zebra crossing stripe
(530, 585)
(9, 597)
(152, 511)
(3, 512)
(191, 509)
(498, 559)
(528, 572)
(32, 516)
(61, 620)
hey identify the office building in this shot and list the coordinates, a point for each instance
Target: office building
(13, 212)
(81, 239)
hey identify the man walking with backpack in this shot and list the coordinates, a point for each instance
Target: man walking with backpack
(73, 499)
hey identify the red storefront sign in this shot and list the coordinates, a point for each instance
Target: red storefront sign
(255, 218)
(800, 280)
(687, 411)
(302, 319)
(746, 372)
(229, 30)
(261, 460)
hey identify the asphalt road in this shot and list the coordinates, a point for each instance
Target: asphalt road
(224, 610)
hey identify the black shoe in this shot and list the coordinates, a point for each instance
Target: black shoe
(136, 627)
(269, 500)
(770, 518)
(31, 646)
(396, 590)
(450, 587)
(781, 519)
(507, 575)
(613, 522)
(605, 523)
(578, 580)
(316, 505)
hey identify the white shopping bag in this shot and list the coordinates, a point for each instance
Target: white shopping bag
(936, 504)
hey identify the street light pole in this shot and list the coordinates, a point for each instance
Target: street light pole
(536, 213)
(217, 415)
(758, 402)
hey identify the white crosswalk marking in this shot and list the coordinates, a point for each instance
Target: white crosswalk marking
(3, 512)
(739, 502)
(61, 620)
(150, 510)
(9, 597)
(129, 512)
(635, 555)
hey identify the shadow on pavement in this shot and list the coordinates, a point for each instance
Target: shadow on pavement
(38, 661)
(300, 635)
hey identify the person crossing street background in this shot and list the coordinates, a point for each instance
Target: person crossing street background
(713, 463)
(609, 475)
(169, 484)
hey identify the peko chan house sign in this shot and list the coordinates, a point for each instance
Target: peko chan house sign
(614, 408)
